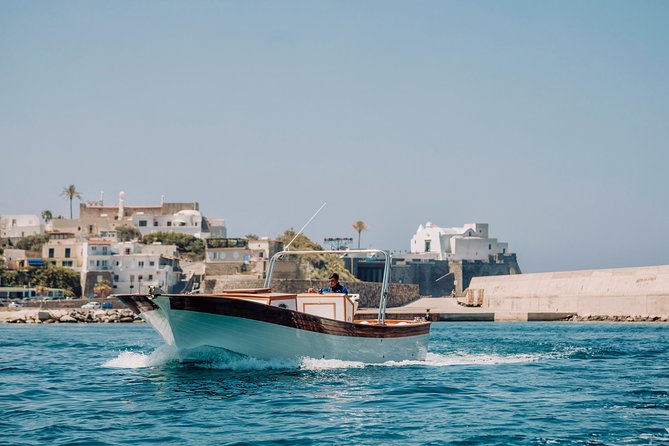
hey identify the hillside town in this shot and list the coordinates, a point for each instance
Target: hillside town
(124, 249)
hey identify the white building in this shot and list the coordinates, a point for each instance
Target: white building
(470, 242)
(136, 267)
(97, 255)
(135, 273)
(18, 226)
(186, 222)
(132, 266)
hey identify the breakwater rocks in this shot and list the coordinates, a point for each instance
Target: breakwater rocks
(70, 316)
(605, 318)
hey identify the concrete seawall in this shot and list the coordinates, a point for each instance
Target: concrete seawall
(606, 292)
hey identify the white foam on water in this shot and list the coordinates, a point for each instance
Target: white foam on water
(134, 360)
(222, 360)
(461, 358)
(329, 364)
(431, 360)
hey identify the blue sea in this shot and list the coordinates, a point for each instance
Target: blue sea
(482, 383)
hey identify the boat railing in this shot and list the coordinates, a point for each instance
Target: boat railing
(386, 270)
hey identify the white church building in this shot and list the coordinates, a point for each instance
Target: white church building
(470, 242)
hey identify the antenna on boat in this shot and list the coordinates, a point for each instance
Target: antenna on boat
(305, 225)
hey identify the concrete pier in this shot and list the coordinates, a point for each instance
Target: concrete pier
(606, 292)
(621, 294)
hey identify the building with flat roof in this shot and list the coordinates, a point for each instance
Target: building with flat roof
(184, 218)
(14, 227)
(470, 242)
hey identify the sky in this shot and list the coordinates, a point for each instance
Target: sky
(547, 120)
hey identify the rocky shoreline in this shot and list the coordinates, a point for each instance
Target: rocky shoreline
(604, 318)
(69, 316)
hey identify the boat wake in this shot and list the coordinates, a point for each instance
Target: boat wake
(218, 359)
(432, 360)
(134, 360)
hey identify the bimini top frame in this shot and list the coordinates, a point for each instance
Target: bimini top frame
(386, 271)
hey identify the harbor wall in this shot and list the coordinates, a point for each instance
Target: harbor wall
(608, 292)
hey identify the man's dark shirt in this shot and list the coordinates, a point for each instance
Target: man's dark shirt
(335, 289)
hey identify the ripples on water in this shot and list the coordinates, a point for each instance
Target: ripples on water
(482, 383)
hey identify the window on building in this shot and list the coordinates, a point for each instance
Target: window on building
(141, 264)
(169, 223)
(489, 246)
(67, 263)
(142, 223)
(115, 277)
(51, 253)
(127, 251)
(52, 262)
(94, 248)
(150, 276)
(68, 251)
(427, 245)
(155, 223)
(152, 263)
(90, 228)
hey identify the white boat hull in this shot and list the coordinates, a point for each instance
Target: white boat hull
(283, 334)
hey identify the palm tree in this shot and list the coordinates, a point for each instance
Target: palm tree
(70, 192)
(358, 227)
(102, 289)
(47, 216)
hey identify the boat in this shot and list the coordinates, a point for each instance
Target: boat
(270, 325)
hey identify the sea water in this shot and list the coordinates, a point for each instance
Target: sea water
(482, 383)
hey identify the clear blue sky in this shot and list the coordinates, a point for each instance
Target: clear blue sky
(548, 120)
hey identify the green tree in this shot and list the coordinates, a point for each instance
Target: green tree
(32, 242)
(317, 266)
(57, 277)
(251, 237)
(191, 247)
(359, 226)
(47, 216)
(9, 278)
(102, 289)
(70, 192)
(127, 233)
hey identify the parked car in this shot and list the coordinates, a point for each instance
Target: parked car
(92, 306)
(107, 305)
(14, 305)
